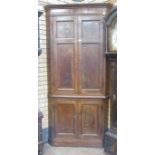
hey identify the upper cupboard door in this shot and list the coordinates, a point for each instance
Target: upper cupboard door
(91, 59)
(63, 53)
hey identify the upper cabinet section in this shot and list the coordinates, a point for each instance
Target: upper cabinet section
(111, 32)
(76, 49)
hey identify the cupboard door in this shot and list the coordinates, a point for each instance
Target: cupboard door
(90, 117)
(65, 118)
(91, 61)
(91, 122)
(64, 55)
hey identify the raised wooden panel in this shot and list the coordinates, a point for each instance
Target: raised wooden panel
(90, 30)
(90, 66)
(65, 65)
(65, 118)
(65, 29)
(90, 118)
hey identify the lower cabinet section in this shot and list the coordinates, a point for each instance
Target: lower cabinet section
(76, 122)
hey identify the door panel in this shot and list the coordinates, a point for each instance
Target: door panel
(65, 28)
(90, 70)
(91, 62)
(65, 118)
(90, 29)
(64, 66)
(90, 118)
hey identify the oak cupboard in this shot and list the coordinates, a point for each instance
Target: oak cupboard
(77, 74)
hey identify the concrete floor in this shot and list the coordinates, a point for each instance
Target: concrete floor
(51, 150)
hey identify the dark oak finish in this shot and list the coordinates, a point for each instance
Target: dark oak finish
(77, 74)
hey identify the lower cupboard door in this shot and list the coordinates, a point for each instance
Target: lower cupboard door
(91, 122)
(65, 121)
